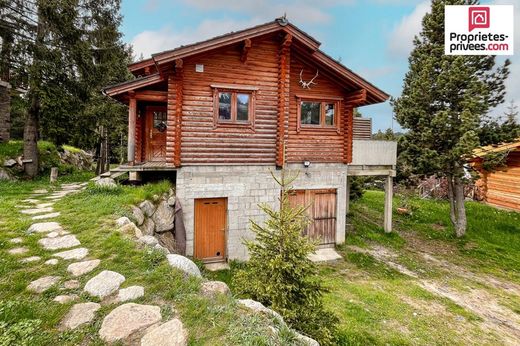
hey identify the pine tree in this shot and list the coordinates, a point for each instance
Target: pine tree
(443, 101)
(279, 273)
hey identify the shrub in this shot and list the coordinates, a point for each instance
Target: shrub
(279, 273)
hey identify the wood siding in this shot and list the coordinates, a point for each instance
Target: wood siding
(502, 187)
(362, 128)
(308, 144)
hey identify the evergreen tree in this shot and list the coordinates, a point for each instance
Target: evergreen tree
(497, 130)
(443, 101)
(279, 273)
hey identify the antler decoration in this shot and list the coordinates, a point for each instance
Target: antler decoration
(307, 85)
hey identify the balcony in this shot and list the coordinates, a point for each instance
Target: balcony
(370, 157)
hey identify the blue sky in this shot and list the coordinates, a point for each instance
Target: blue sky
(371, 37)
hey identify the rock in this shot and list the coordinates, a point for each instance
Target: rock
(5, 175)
(44, 227)
(76, 254)
(104, 284)
(171, 333)
(130, 228)
(46, 216)
(30, 259)
(184, 264)
(212, 288)
(82, 268)
(40, 191)
(162, 249)
(71, 284)
(57, 243)
(43, 284)
(123, 220)
(147, 208)
(163, 217)
(51, 262)
(306, 340)
(79, 314)
(167, 240)
(9, 163)
(44, 205)
(36, 211)
(130, 293)
(259, 307)
(64, 299)
(18, 251)
(127, 319)
(138, 215)
(31, 200)
(148, 240)
(171, 201)
(107, 183)
(148, 227)
(56, 234)
(16, 240)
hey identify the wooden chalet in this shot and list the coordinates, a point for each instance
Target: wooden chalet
(221, 114)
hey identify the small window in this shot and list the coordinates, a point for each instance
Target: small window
(159, 120)
(224, 106)
(310, 113)
(329, 114)
(317, 114)
(243, 107)
(234, 107)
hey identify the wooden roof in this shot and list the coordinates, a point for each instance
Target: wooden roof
(495, 148)
(311, 51)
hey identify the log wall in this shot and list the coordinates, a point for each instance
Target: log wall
(502, 187)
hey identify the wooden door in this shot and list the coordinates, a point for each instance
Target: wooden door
(321, 211)
(210, 229)
(155, 133)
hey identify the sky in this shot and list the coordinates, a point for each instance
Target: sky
(371, 37)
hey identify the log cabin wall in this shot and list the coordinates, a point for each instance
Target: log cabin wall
(202, 141)
(315, 144)
(502, 187)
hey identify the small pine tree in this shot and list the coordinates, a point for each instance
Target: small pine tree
(279, 273)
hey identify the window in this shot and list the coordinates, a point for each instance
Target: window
(159, 120)
(317, 114)
(234, 107)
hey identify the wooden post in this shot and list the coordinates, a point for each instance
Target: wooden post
(347, 197)
(388, 203)
(132, 118)
(54, 174)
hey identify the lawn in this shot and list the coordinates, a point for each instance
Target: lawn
(31, 319)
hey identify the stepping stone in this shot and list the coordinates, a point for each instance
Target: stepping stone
(31, 200)
(43, 284)
(44, 205)
(104, 284)
(64, 299)
(57, 243)
(30, 259)
(18, 251)
(82, 268)
(75, 254)
(36, 211)
(79, 314)
(71, 285)
(212, 288)
(171, 333)
(71, 187)
(16, 240)
(44, 227)
(40, 191)
(184, 264)
(46, 216)
(130, 293)
(54, 234)
(51, 262)
(128, 319)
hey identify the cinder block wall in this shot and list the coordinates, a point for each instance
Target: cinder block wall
(247, 186)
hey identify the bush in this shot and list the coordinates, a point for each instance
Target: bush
(279, 273)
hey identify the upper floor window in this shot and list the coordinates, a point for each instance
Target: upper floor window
(234, 105)
(318, 113)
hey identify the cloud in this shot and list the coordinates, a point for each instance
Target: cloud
(401, 39)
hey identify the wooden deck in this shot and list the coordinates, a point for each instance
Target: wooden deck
(147, 166)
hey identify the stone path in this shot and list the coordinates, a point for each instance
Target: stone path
(128, 320)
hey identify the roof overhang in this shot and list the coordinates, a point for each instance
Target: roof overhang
(131, 85)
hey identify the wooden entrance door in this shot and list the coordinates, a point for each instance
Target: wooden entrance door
(155, 133)
(210, 229)
(321, 212)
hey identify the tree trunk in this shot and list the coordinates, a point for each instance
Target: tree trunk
(451, 198)
(457, 207)
(30, 138)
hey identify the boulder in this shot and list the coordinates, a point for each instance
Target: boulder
(43, 284)
(79, 314)
(148, 240)
(64, 299)
(122, 221)
(106, 183)
(163, 217)
(212, 288)
(132, 229)
(44, 227)
(184, 264)
(162, 249)
(138, 215)
(82, 268)
(171, 201)
(76, 254)
(148, 227)
(259, 307)
(171, 333)
(306, 340)
(147, 208)
(167, 240)
(128, 319)
(57, 243)
(104, 284)
(9, 163)
(130, 293)
(5, 175)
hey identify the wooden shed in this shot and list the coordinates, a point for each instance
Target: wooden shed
(500, 188)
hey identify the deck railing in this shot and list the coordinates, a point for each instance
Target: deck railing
(374, 153)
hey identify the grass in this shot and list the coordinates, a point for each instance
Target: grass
(30, 319)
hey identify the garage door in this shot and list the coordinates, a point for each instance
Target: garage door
(321, 212)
